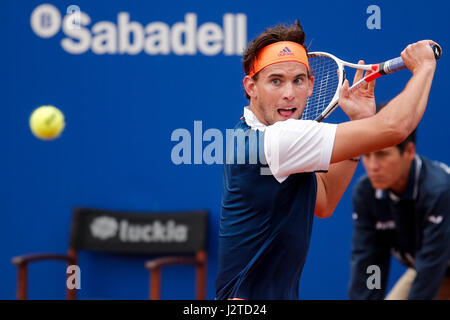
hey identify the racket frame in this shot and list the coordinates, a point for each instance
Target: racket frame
(340, 64)
(379, 69)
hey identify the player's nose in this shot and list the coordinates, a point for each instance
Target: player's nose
(288, 91)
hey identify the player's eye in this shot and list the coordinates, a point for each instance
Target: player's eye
(276, 81)
(298, 81)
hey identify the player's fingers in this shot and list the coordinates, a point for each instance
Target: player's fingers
(344, 90)
(371, 86)
(436, 51)
(358, 73)
(365, 85)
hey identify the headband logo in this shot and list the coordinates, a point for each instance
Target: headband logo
(286, 52)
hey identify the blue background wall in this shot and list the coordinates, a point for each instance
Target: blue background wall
(121, 110)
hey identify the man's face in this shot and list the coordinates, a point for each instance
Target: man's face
(388, 169)
(280, 92)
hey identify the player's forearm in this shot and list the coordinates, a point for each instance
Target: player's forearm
(403, 113)
(390, 126)
(336, 181)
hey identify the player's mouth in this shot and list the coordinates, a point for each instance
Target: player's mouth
(286, 112)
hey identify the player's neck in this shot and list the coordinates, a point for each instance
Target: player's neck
(257, 112)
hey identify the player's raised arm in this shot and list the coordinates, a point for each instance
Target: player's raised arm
(399, 118)
(368, 133)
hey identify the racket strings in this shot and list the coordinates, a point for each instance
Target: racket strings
(326, 80)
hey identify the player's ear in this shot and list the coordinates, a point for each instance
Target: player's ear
(249, 86)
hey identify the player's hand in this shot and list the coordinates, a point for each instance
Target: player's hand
(419, 56)
(361, 103)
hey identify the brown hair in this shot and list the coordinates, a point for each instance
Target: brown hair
(278, 33)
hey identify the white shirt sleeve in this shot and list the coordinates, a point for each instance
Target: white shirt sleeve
(294, 146)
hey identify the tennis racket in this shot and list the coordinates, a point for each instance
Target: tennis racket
(329, 75)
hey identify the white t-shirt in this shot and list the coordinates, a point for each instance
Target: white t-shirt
(294, 146)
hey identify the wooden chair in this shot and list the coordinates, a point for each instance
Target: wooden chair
(173, 237)
(154, 266)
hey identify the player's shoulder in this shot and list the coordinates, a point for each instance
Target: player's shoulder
(241, 124)
(300, 125)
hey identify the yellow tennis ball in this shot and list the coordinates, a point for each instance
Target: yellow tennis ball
(47, 122)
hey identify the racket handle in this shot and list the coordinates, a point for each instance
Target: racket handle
(397, 64)
(392, 65)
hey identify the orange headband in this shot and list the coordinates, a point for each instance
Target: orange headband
(281, 51)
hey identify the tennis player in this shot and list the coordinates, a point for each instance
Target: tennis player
(266, 219)
(401, 207)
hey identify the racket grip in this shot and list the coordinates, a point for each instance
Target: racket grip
(392, 65)
(397, 64)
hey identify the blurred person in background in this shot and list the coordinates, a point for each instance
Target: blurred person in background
(402, 208)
